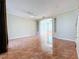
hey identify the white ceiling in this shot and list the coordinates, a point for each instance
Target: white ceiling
(39, 8)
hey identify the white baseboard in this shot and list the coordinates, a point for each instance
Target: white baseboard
(74, 40)
(13, 38)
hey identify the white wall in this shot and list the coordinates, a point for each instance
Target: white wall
(66, 26)
(20, 27)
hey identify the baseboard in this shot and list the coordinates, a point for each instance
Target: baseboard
(22, 37)
(74, 40)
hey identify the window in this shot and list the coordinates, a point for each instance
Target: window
(46, 30)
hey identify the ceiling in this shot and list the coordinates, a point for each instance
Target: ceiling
(40, 8)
